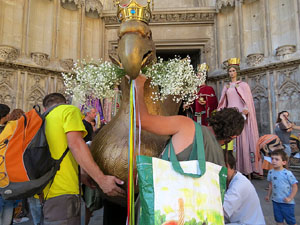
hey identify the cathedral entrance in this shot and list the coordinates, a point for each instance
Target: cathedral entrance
(194, 54)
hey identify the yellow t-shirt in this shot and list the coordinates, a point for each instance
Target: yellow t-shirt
(59, 122)
(230, 146)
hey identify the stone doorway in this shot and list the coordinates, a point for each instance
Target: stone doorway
(194, 54)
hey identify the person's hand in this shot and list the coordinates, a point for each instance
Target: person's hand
(186, 106)
(267, 198)
(245, 112)
(283, 117)
(287, 199)
(87, 180)
(109, 186)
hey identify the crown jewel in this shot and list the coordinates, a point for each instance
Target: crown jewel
(134, 11)
(233, 61)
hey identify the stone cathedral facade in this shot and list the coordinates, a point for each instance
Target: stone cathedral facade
(39, 39)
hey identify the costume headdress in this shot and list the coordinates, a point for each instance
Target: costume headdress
(233, 61)
(202, 67)
(134, 11)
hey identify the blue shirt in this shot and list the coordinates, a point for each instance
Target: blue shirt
(282, 182)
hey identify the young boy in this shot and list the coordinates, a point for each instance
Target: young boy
(283, 186)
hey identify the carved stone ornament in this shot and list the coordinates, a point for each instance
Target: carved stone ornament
(183, 17)
(41, 59)
(66, 64)
(285, 50)
(225, 64)
(72, 4)
(176, 17)
(255, 59)
(8, 53)
(111, 19)
(93, 5)
(224, 3)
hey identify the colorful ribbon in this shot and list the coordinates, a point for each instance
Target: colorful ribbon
(131, 147)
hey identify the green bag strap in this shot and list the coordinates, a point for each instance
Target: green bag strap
(196, 154)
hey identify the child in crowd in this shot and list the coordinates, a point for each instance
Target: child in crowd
(283, 186)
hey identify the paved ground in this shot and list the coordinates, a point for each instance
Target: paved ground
(260, 186)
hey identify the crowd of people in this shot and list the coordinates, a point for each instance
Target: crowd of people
(231, 122)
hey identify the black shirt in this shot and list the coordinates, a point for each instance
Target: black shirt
(89, 129)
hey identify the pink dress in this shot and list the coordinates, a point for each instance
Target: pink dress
(238, 95)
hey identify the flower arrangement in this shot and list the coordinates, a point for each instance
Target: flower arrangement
(96, 79)
(174, 77)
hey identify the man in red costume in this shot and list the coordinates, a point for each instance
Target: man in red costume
(206, 102)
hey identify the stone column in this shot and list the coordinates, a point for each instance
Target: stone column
(240, 29)
(267, 30)
(270, 101)
(81, 31)
(297, 23)
(56, 13)
(216, 34)
(25, 29)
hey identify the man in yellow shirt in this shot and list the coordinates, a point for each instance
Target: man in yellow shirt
(64, 128)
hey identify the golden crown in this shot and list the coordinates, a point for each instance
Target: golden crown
(233, 61)
(202, 67)
(134, 11)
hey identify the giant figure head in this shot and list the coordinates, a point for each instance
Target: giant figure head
(136, 48)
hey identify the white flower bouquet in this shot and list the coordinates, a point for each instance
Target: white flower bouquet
(96, 79)
(174, 77)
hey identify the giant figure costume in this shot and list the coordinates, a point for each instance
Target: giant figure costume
(208, 94)
(238, 94)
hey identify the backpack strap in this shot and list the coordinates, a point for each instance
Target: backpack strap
(57, 168)
(50, 109)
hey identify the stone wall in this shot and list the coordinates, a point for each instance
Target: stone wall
(39, 39)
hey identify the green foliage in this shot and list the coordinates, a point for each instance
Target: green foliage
(158, 218)
(193, 222)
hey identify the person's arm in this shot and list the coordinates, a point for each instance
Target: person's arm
(293, 193)
(267, 198)
(83, 156)
(295, 127)
(234, 198)
(284, 124)
(182, 128)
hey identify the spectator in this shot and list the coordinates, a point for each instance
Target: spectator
(283, 130)
(90, 115)
(16, 114)
(6, 206)
(91, 196)
(64, 128)
(283, 187)
(241, 203)
(4, 115)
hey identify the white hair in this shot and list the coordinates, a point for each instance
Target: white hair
(87, 109)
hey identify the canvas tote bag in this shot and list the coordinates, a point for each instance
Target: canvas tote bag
(182, 193)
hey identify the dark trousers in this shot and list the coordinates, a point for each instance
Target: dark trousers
(114, 214)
